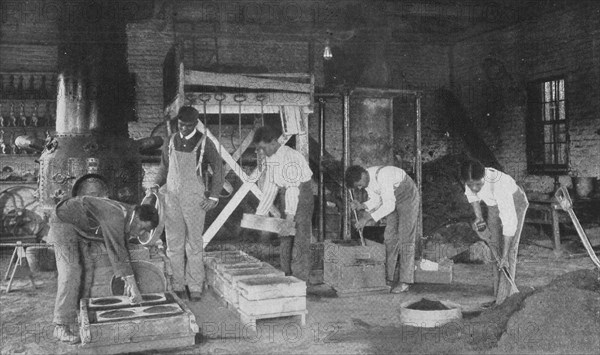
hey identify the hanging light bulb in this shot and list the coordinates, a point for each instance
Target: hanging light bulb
(327, 51)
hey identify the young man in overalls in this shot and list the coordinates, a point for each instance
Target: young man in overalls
(393, 195)
(185, 201)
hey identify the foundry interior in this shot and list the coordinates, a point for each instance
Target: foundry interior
(93, 98)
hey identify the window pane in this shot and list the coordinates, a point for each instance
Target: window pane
(561, 89)
(549, 156)
(561, 110)
(547, 91)
(548, 112)
(562, 133)
(548, 134)
(562, 154)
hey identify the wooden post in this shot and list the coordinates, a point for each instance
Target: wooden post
(418, 163)
(346, 164)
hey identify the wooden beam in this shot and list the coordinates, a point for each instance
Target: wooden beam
(194, 77)
(226, 212)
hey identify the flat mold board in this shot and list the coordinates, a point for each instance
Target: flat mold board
(163, 331)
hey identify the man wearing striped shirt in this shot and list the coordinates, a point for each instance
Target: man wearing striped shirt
(287, 170)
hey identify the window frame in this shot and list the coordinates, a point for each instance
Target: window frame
(535, 143)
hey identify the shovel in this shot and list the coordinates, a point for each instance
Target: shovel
(484, 234)
(563, 198)
(360, 231)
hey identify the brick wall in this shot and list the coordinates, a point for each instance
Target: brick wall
(557, 43)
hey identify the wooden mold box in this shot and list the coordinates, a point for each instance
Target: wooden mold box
(260, 288)
(113, 329)
(350, 253)
(230, 257)
(271, 297)
(365, 276)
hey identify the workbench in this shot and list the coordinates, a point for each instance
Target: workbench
(549, 212)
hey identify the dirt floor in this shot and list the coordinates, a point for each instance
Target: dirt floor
(562, 317)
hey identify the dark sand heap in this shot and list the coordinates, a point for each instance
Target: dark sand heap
(427, 305)
(563, 317)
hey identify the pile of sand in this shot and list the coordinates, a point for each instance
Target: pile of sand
(563, 317)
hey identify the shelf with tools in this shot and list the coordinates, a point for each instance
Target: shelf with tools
(27, 108)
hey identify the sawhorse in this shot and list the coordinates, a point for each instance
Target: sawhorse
(18, 261)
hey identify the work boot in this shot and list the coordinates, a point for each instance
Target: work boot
(401, 287)
(63, 333)
(195, 296)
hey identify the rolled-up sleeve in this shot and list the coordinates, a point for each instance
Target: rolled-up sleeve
(471, 196)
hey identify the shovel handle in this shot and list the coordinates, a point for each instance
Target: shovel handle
(563, 198)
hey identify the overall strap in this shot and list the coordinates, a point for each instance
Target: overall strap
(172, 143)
(202, 145)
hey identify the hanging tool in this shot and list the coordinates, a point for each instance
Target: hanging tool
(484, 234)
(563, 198)
(360, 231)
(239, 98)
(260, 98)
(220, 97)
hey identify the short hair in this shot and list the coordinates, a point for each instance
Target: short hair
(266, 134)
(147, 213)
(471, 170)
(354, 174)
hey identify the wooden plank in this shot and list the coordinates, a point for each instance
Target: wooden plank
(226, 212)
(142, 344)
(271, 306)
(258, 288)
(194, 77)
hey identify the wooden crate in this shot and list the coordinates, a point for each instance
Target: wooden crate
(355, 277)
(155, 332)
(259, 288)
(348, 253)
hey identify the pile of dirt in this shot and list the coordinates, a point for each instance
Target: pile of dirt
(444, 202)
(427, 305)
(563, 317)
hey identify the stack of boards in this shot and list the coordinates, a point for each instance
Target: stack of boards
(254, 289)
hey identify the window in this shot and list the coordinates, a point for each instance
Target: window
(547, 127)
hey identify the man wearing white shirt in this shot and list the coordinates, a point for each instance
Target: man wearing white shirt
(393, 195)
(288, 170)
(507, 205)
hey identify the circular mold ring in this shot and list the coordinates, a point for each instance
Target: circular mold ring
(117, 314)
(429, 318)
(160, 309)
(106, 301)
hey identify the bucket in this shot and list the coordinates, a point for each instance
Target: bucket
(429, 318)
(584, 186)
(40, 258)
